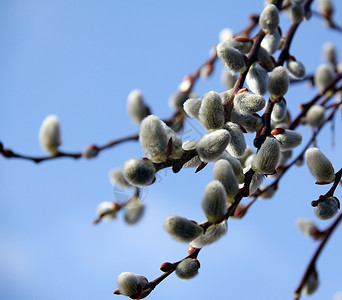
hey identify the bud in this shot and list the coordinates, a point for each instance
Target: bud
(284, 157)
(265, 59)
(117, 179)
(307, 227)
(237, 144)
(271, 42)
(137, 109)
(50, 135)
(223, 172)
(182, 229)
(232, 59)
(211, 145)
(134, 210)
(257, 79)
(226, 95)
(90, 152)
(327, 208)
(268, 192)
(107, 210)
(256, 181)
(177, 100)
(269, 19)
(288, 139)
(319, 165)
(323, 75)
(131, 285)
(296, 69)
(248, 152)
(315, 116)
(326, 7)
(251, 123)
(226, 34)
(279, 111)
(296, 13)
(214, 201)
(278, 83)
(211, 111)
(213, 233)
(267, 158)
(138, 172)
(244, 45)
(311, 284)
(248, 103)
(228, 79)
(235, 164)
(192, 107)
(187, 268)
(330, 53)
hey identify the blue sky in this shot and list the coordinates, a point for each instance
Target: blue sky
(79, 60)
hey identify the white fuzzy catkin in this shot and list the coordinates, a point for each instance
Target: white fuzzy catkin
(278, 83)
(131, 285)
(223, 172)
(182, 229)
(138, 172)
(284, 157)
(106, 210)
(251, 123)
(296, 13)
(269, 19)
(226, 34)
(330, 53)
(319, 165)
(306, 227)
(235, 164)
(243, 46)
(266, 59)
(279, 111)
(248, 103)
(134, 210)
(311, 284)
(211, 145)
(117, 179)
(257, 79)
(315, 116)
(248, 152)
(271, 42)
(136, 106)
(187, 268)
(231, 58)
(153, 138)
(177, 100)
(214, 201)
(192, 107)
(177, 150)
(211, 113)
(50, 134)
(325, 6)
(289, 139)
(323, 75)
(213, 233)
(225, 96)
(267, 158)
(327, 208)
(296, 69)
(237, 144)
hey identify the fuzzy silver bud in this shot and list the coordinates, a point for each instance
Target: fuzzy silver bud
(187, 268)
(327, 208)
(323, 75)
(306, 227)
(296, 13)
(251, 123)
(211, 145)
(50, 134)
(117, 179)
(134, 210)
(271, 42)
(225, 34)
(269, 19)
(223, 172)
(278, 83)
(131, 285)
(235, 164)
(288, 139)
(213, 233)
(311, 284)
(237, 144)
(267, 158)
(315, 116)
(192, 107)
(182, 229)
(228, 79)
(136, 107)
(177, 100)
(266, 59)
(257, 79)
(330, 53)
(211, 113)
(319, 165)
(296, 69)
(214, 201)
(248, 103)
(138, 172)
(232, 59)
(279, 111)
(107, 210)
